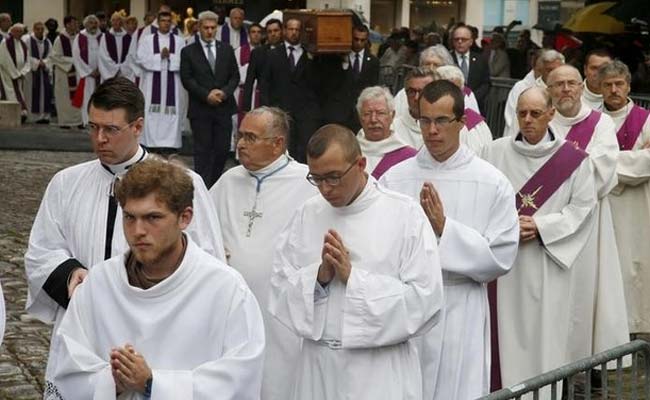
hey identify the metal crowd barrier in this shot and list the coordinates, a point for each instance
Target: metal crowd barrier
(628, 383)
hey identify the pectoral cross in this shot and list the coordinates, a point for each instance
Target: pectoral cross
(252, 214)
(528, 199)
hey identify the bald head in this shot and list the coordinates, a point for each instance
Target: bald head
(565, 87)
(534, 113)
(331, 135)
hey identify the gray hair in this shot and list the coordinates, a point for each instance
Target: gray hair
(237, 10)
(376, 92)
(551, 55)
(279, 122)
(89, 18)
(17, 25)
(5, 16)
(420, 72)
(208, 16)
(438, 51)
(451, 73)
(614, 68)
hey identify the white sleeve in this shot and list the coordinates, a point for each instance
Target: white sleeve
(205, 228)
(633, 166)
(603, 152)
(175, 58)
(145, 57)
(82, 68)
(107, 67)
(58, 59)
(483, 256)
(6, 65)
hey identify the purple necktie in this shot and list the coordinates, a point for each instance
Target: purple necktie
(292, 59)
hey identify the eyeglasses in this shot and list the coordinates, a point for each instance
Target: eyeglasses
(440, 122)
(251, 138)
(462, 39)
(536, 114)
(331, 180)
(378, 114)
(560, 85)
(108, 130)
(412, 92)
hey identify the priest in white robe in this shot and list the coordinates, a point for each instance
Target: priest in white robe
(38, 83)
(406, 127)
(546, 62)
(254, 202)
(85, 52)
(599, 315)
(233, 31)
(591, 94)
(3, 316)
(631, 197)
(166, 320)
(14, 67)
(159, 57)
(114, 48)
(379, 146)
(65, 76)
(556, 197)
(77, 224)
(356, 274)
(471, 207)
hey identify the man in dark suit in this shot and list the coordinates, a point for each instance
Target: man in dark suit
(343, 81)
(474, 67)
(258, 62)
(290, 82)
(210, 75)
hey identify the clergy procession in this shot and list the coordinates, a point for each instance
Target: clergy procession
(331, 239)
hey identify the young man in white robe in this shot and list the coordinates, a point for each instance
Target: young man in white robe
(77, 224)
(85, 52)
(556, 197)
(356, 275)
(630, 199)
(165, 320)
(14, 67)
(254, 202)
(38, 85)
(114, 48)
(470, 206)
(65, 76)
(159, 57)
(233, 31)
(599, 321)
(545, 62)
(379, 146)
(591, 94)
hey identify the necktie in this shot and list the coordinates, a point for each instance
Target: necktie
(210, 56)
(292, 59)
(463, 66)
(355, 67)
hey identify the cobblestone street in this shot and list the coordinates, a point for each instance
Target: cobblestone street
(23, 354)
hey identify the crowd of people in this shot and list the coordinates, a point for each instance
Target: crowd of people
(368, 246)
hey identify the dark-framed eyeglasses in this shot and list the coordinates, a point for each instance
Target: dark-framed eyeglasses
(251, 138)
(108, 130)
(331, 180)
(439, 122)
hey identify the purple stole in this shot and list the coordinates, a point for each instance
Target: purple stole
(532, 196)
(111, 46)
(40, 77)
(156, 86)
(391, 158)
(581, 133)
(66, 46)
(78, 98)
(472, 118)
(225, 35)
(11, 47)
(244, 58)
(467, 91)
(631, 129)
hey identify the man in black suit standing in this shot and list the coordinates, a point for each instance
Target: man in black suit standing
(290, 82)
(343, 80)
(210, 75)
(474, 67)
(258, 62)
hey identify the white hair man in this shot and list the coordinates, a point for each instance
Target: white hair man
(254, 201)
(631, 197)
(85, 52)
(233, 31)
(14, 67)
(65, 76)
(381, 148)
(599, 302)
(114, 49)
(38, 86)
(546, 62)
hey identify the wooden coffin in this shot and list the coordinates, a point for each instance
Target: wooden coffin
(324, 31)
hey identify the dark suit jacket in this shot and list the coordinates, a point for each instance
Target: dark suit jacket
(254, 73)
(292, 91)
(199, 80)
(479, 76)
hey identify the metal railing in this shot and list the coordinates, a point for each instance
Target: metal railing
(639, 350)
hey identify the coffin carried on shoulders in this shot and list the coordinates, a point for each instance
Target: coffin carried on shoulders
(324, 31)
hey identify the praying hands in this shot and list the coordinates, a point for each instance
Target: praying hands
(432, 205)
(130, 370)
(335, 259)
(527, 228)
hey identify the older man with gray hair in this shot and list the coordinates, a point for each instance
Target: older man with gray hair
(381, 148)
(14, 66)
(254, 201)
(631, 197)
(233, 31)
(85, 52)
(545, 63)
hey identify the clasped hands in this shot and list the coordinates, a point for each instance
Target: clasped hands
(335, 259)
(129, 369)
(216, 96)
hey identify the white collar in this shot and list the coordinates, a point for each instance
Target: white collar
(361, 54)
(277, 163)
(295, 46)
(119, 169)
(621, 112)
(378, 147)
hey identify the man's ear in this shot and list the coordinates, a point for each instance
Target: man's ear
(186, 217)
